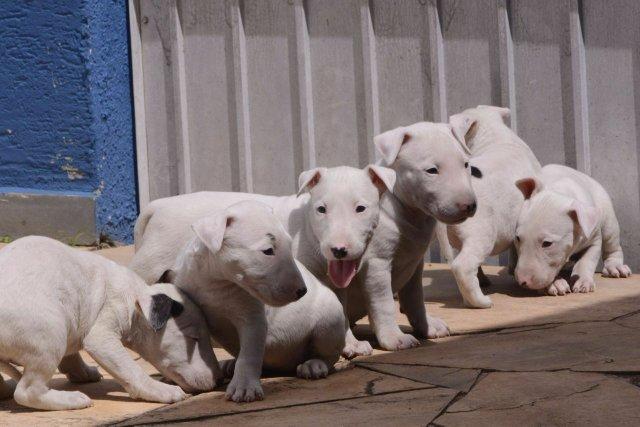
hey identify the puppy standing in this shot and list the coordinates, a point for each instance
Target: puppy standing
(501, 158)
(55, 301)
(567, 216)
(432, 180)
(239, 260)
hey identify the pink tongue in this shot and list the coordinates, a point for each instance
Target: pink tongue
(341, 272)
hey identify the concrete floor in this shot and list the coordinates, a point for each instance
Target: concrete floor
(529, 360)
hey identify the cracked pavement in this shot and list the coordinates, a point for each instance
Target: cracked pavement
(529, 360)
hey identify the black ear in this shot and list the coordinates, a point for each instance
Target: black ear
(176, 308)
(161, 310)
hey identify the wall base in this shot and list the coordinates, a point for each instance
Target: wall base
(69, 218)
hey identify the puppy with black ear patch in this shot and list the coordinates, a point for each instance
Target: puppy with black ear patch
(56, 301)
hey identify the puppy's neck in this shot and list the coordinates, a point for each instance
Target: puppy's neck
(196, 264)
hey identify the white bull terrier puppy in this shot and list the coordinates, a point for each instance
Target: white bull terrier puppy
(237, 260)
(56, 300)
(432, 180)
(331, 225)
(498, 159)
(567, 216)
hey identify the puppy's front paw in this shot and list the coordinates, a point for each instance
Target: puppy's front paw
(438, 328)
(477, 300)
(399, 341)
(615, 269)
(558, 287)
(312, 369)
(244, 390)
(356, 348)
(160, 392)
(584, 285)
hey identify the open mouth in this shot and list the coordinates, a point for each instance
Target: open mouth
(342, 271)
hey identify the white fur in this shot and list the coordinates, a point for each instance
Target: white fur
(502, 158)
(574, 215)
(55, 301)
(394, 260)
(163, 227)
(306, 335)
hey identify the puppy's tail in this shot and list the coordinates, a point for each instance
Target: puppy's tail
(9, 369)
(443, 240)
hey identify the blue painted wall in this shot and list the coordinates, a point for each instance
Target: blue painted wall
(66, 121)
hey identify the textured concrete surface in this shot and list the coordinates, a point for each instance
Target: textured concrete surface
(65, 103)
(530, 360)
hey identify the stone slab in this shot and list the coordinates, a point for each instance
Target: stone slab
(454, 378)
(418, 407)
(546, 399)
(515, 307)
(68, 218)
(585, 346)
(284, 392)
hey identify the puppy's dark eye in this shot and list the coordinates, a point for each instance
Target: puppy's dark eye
(268, 252)
(360, 208)
(466, 165)
(321, 209)
(546, 244)
(517, 239)
(432, 171)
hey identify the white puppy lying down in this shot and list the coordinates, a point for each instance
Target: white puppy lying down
(498, 159)
(237, 260)
(56, 300)
(567, 216)
(331, 227)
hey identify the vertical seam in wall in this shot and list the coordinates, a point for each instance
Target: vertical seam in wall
(245, 166)
(370, 81)
(141, 149)
(580, 100)
(507, 67)
(305, 93)
(437, 63)
(182, 119)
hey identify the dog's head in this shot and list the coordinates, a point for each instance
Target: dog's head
(549, 227)
(432, 171)
(343, 212)
(251, 248)
(177, 341)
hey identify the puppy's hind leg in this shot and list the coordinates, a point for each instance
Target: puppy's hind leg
(326, 345)
(77, 371)
(32, 389)
(465, 269)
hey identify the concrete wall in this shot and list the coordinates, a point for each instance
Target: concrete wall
(66, 137)
(244, 95)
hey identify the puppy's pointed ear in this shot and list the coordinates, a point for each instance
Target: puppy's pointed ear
(504, 112)
(383, 178)
(210, 229)
(529, 186)
(309, 179)
(464, 129)
(585, 216)
(158, 308)
(389, 143)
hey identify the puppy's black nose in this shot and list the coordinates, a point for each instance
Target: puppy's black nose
(301, 292)
(339, 253)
